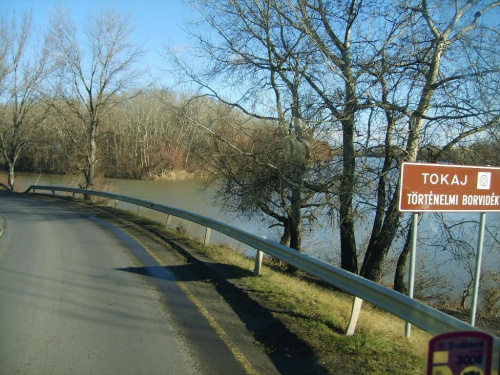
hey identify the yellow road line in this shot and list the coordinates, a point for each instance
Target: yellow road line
(237, 354)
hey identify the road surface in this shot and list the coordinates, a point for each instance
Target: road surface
(81, 295)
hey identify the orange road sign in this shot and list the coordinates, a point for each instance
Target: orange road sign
(428, 187)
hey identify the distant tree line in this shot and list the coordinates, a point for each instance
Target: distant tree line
(154, 133)
(144, 137)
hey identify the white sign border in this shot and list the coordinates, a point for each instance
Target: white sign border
(447, 166)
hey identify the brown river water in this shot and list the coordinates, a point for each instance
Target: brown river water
(186, 194)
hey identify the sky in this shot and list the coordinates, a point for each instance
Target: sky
(157, 22)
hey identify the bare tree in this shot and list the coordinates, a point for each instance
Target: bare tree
(260, 53)
(388, 64)
(393, 65)
(98, 70)
(25, 65)
(392, 77)
(441, 100)
(251, 170)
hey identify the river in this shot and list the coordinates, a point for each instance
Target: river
(321, 242)
(186, 194)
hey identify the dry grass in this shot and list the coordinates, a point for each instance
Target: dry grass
(319, 315)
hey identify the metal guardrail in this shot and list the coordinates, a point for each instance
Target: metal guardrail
(425, 317)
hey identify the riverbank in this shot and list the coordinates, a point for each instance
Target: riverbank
(176, 175)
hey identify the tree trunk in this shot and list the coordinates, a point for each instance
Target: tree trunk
(296, 221)
(295, 225)
(380, 243)
(11, 175)
(91, 160)
(348, 253)
(299, 153)
(399, 276)
(285, 238)
(92, 157)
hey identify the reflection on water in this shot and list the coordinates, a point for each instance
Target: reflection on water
(322, 242)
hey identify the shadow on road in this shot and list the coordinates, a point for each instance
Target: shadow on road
(185, 272)
(288, 352)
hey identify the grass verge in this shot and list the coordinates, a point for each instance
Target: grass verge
(319, 315)
(316, 313)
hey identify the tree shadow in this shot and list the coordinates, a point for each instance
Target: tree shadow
(289, 353)
(185, 272)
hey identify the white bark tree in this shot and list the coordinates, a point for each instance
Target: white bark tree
(98, 70)
(25, 65)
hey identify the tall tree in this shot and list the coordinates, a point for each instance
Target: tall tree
(386, 65)
(447, 74)
(98, 70)
(25, 64)
(393, 76)
(254, 47)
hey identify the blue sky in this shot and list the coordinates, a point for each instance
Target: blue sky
(157, 22)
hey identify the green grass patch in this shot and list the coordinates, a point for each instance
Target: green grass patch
(318, 314)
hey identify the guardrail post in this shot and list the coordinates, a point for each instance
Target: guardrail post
(258, 262)
(208, 232)
(138, 211)
(53, 192)
(356, 310)
(169, 219)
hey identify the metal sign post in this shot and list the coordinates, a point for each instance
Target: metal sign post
(477, 274)
(429, 187)
(413, 257)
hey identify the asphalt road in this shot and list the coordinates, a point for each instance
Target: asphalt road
(80, 295)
